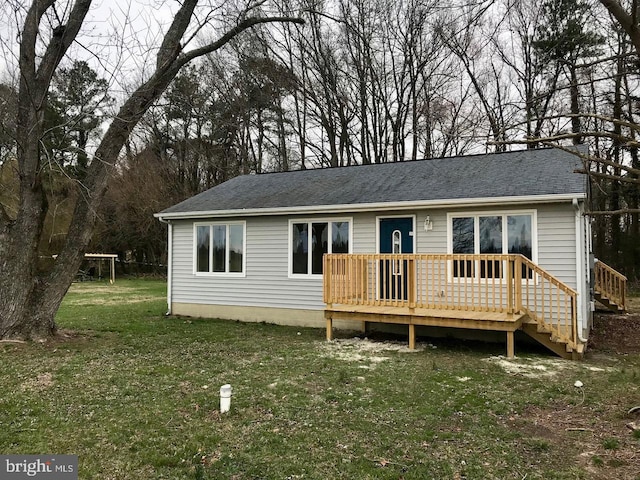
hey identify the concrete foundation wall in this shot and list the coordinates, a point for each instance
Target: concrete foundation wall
(279, 316)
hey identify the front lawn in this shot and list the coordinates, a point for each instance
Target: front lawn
(136, 395)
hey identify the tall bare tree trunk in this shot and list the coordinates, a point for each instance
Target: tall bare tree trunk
(29, 295)
(574, 93)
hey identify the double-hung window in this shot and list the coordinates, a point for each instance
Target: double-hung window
(309, 240)
(489, 233)
(219, 248)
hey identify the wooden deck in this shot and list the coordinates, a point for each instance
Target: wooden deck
(501, 293)
(494, 321)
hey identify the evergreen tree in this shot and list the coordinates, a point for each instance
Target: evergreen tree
(563, 38)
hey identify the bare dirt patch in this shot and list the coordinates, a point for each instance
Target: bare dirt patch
(542, 367)
(364, 345)
(84, 288)
(596, 437)
(64, 336)
(365, 350)
(602, 446)
(615, 333)
(39, 383)
(531, 368)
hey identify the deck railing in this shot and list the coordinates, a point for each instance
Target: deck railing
(481, 283)
(550, 303)
(611, 284)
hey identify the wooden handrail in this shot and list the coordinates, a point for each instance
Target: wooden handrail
(443, 281)
(550, 302)
(611, 284)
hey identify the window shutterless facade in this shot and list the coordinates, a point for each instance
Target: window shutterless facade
(490, 233)
(309, 240)
(219, 248)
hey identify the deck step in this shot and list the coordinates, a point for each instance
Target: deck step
(610, 287)
(553, 342)
(607, 303)
(542, 328)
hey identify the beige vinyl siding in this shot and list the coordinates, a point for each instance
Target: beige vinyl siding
(364, 233)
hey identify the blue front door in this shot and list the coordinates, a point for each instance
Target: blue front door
(396, 236)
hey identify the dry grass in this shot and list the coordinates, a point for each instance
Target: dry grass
(111, 300)
(135, 395)
(633, 305)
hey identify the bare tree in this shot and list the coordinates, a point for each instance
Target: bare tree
(8, 108)
(462, 34)
(627, 17)
(30, 296)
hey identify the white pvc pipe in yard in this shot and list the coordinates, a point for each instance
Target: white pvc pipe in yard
(225, 398)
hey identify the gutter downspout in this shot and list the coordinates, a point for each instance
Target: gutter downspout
(169, 261)
(579, 268)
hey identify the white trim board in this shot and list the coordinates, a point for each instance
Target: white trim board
(377, 207)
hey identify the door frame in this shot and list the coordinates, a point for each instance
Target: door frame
(382, 217)
(414, 243)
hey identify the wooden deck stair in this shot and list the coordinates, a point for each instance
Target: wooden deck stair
(547, 337)
(606, 302)
(610, 287)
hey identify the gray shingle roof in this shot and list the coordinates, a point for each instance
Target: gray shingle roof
(521, 173)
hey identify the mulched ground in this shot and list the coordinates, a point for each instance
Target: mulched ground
(587, 429)
(615, 333)
(581, 433)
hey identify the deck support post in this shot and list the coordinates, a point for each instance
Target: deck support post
(412, 336)
(511, 345)
(510, 286)
(329, 329)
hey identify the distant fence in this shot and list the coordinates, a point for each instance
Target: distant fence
(139, 269)
(123, 269)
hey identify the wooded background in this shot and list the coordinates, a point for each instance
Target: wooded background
(362, 81)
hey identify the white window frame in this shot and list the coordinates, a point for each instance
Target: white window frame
(310, 221)
(476, 236)
(226, 273)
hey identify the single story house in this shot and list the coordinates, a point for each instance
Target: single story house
(492, 242)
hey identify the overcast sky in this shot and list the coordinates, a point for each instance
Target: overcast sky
(115, 38)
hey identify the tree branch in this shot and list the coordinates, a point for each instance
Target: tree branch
(635, 181)
(169, 62)
(228, 36)
(34, 82)
(61, 39)
(29, 38)
(586, 159)
(622, 211)
(170, 48)
(594, 116)
(547, 141)
(630, 143)
(626, 21)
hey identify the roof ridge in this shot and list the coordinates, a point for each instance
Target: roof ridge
(431, 159)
